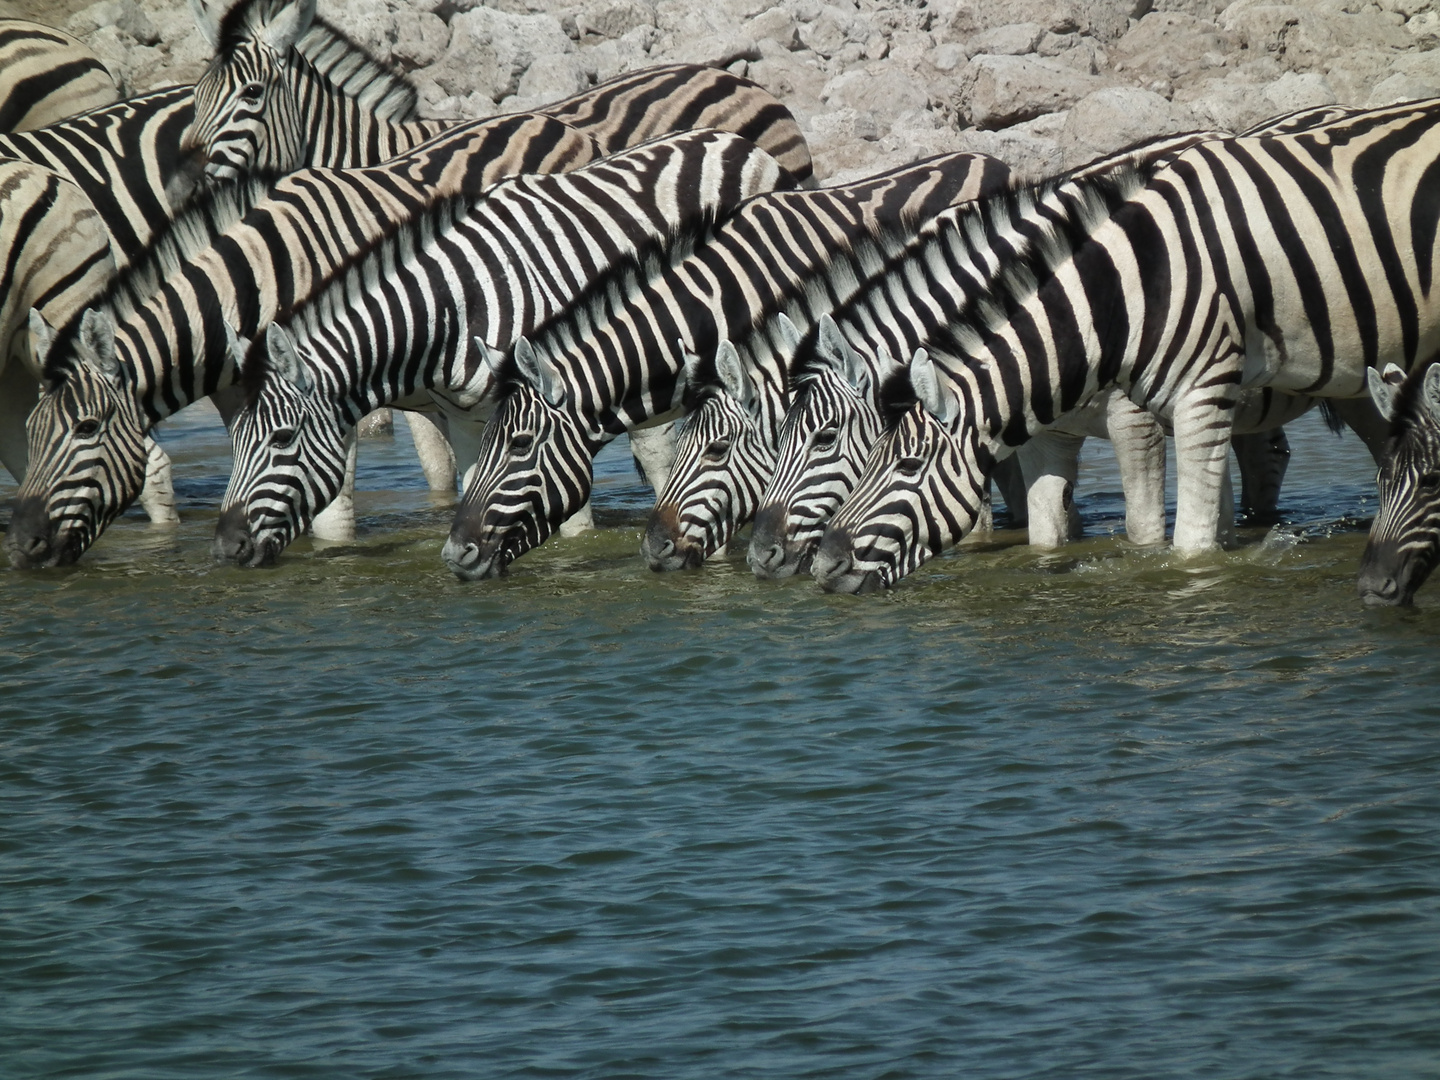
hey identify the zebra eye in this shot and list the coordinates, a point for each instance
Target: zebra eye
(909, 466)
(1430, 481)
(87, 429)
(521, 444)
(252, 91)
(283, 438)
(717, 450)
(823, 439)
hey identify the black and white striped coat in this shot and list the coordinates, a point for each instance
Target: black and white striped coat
(1294, 261)
(419, 313)
(47, 75)
(616, 359)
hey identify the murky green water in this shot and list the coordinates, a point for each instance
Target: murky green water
(1101, 813)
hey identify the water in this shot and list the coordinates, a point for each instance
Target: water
(1102, 813)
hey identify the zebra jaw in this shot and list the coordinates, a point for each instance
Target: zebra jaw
(235, 542)
(34, 543)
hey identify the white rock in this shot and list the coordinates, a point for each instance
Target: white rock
(1291, 92)
(1005, 90)
(1402, 88)
(614, 18)
(420, 39)
(882, 92)
(1016, 39)
(1117, 117)
(776, 24)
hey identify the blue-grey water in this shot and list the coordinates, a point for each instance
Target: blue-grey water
(1102, 813)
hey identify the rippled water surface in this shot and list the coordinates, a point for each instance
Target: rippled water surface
(1100, 813)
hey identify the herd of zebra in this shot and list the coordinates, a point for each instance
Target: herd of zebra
(855, 364)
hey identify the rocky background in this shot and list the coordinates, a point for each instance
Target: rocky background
(1042, 84)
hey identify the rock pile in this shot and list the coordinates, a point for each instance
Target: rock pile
(1042, 84)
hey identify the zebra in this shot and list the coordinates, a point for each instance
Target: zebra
(617, 357)
(241, 255)
(728, 451)
(1294, 261)
(417, 314)
(261, 105)
(47, 75)
(1404, 541)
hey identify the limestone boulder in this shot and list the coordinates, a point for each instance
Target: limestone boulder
(490, 50)
(1117, 117)
(998, 91)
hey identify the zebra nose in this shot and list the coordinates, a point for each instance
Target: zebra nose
(767, 559)
(461, 556)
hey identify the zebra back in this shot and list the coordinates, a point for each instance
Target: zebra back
(47, 75)
(420, 312)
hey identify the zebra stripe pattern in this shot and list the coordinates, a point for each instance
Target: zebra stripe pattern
(420, 313)
(220, 266)
(616, 358)
(1404, 543)
(1294, 261)
(46, 75)
(739, 405)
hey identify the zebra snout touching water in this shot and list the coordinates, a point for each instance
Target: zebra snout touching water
(1404, 543)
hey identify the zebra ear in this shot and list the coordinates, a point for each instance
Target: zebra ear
(1385, 388)
(42, 336)
(285, 357)
(289, 26)
(1432, 392)
(207, 22)
(540, 373)
(97, 345)
(732, 372)
(789, 333)
(938, 400)
(839, 352)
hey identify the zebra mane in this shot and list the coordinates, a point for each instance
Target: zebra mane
(990, 308)
(190, 232)
(595, 306)
(335, 57)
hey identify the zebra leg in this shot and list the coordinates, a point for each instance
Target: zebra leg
(1051, 462)
(1010, 480)
(653, 448)
(337, 521)
(375, 424)
(437, 459)
(1263, 457)
(158, 494)
(1139, 443)
(1202, 472)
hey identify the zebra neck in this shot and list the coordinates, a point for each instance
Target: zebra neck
(344, 134)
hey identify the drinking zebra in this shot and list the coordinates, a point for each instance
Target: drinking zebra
(1294, 261)
(728, 452)
(47, 75)
(263, 105)
(616, 358)
(236, 258)
(417, 315)
(1404, 542)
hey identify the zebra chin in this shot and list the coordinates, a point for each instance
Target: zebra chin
(33, 543)
(772, 555)
(666, 548)
(834, 566)
(234, 542)
(1390, 577)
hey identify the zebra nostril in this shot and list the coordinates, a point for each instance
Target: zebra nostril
(666, 549)
(1388, 588)
(471, 555)
(772, 556)
(36, 545)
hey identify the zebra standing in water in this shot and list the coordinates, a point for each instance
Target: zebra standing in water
(416, 315)
(235, 258)
(1404, 542)
(1293, 261)
(616, 358)
(47, 75)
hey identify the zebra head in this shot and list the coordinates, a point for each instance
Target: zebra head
(290, 456)
(829, 429)
(86, 442)
(247, 113)
(922, 490)
(533, 471)
(721, 463)
(1404, 540)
